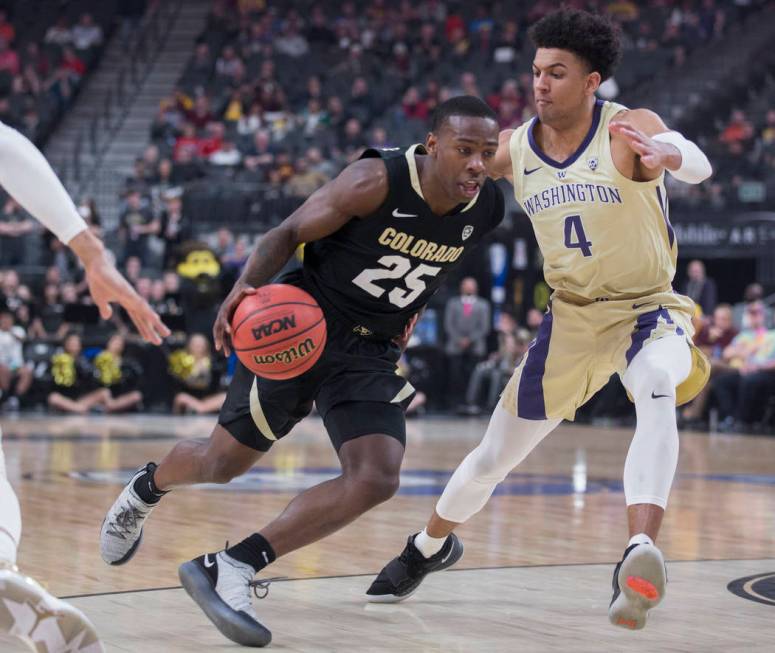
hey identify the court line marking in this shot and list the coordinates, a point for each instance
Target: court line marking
(369, 575)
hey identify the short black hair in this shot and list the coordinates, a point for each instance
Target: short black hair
(461, 105)
(592, 37)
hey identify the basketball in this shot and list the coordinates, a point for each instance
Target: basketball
(279, 332)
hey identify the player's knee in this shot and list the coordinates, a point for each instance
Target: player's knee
(374, 486)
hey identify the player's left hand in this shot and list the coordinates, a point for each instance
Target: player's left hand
(654, 155)
(106, 285)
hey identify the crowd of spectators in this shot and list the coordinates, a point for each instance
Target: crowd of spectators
(280, 97)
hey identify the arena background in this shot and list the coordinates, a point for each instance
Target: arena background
(184, 130)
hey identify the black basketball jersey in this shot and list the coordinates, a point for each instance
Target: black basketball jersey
(379, 270)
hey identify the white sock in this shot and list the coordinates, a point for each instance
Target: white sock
(640, 538)
(10, 517)
(428, 545)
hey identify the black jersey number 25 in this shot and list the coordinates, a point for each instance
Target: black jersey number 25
(396, 267)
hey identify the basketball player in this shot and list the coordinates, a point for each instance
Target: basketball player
(27, 611)
(380, 238)
(590, 176)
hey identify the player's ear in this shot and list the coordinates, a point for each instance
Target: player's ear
(593, 83)
(431, 143)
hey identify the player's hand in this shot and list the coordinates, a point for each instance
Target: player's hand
(403, 340)
(654, 155)
(222, 326)
(106, 285)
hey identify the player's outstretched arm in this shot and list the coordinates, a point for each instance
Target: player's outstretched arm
(657, 148)
(29, 179)
(360, 189)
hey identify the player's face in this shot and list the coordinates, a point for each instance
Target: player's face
(561, 84)
(464, 149)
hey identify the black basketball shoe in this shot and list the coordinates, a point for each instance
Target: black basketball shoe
(639, 585)
(222, 586)
(401, 577)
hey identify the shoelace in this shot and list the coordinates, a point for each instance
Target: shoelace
(125, 521)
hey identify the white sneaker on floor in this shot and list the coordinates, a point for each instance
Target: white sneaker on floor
(43, 622)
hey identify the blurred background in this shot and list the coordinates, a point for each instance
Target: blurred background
(185, 130)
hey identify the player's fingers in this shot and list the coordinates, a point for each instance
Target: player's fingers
(142, 327)
(105, 310)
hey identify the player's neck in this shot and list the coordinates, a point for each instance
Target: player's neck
(562, 138)
(434, 195)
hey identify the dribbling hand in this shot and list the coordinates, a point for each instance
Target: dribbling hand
(222, 325)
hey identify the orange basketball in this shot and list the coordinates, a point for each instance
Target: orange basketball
(278, 333)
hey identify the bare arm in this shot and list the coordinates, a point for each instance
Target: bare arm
(360, 189)
(501, 165)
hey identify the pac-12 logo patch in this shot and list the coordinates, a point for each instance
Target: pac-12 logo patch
(467, 231)
(759, 588)
(592, 163)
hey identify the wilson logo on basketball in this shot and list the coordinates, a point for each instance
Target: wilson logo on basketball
(274, 326)
(285, 356)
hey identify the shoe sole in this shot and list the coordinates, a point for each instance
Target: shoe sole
(454, 556)
(59, 624)
(233, 625)
(642, 582)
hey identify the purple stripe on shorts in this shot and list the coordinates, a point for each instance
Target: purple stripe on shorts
(663, 206)
(530, 395)
(647, 322)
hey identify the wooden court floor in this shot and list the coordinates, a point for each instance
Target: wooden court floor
(535, 575)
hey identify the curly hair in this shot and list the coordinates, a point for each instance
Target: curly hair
(593, 38)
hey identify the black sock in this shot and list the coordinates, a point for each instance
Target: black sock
(145, 487)
(254, 551)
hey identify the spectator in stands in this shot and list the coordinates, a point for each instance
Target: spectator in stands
(137, 224)
(9, 59)
(229, 66)
(163, 182)
(741, 392)
(187, 167)
(174, 229)
(59, 33)
(200, 115)
(412, 106)
(196, 377)
(360, 104)
(201, 68)
(16, 231)
(305, 181)
(7, 30)
(86, 33)
(73, 389)
(291, 42)
(227, 156)
(163, 303)
(213, 140)
(738, 131)
(251, 121)
(699, 287)
(35, 67)
(72, 65)
(15, 375)
(49, 323)
(534, 320)
(119, 374)
(87, 209)
(713, 339)
(466, 325)
(754, 292)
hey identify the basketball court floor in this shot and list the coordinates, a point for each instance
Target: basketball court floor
(535, 575)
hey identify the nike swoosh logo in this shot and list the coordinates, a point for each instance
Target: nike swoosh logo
(398, 214)
(653, 396)
(636, 306)
(446, 557)
(208, 563)
(530, 172)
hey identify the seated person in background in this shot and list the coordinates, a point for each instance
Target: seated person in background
(118, 375)
(496, 370)
(198, 382)
(713, 338)
(73, 389)
(49, 322)
(15, 376)
(741, 392)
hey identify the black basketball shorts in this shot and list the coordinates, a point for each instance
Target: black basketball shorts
(354, 384)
